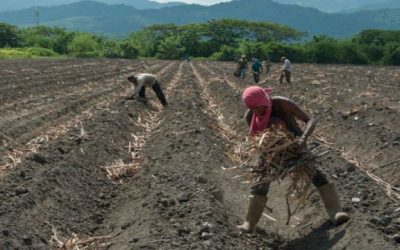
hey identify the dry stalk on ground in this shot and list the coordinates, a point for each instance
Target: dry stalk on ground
(392, 192)
(13, 159)
(119, 169)
(77, 243)
(273, 155)
(211, 106)
(17, 155)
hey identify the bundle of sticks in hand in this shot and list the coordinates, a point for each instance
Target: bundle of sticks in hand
(274, 155)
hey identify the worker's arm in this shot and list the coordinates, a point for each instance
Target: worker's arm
(248, 116)
(138, 87)
(300, 114)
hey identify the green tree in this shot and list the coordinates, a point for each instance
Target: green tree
(296, 53)
(56, 39)
(207, 38)
(9, 36)
(324, 49)
(190, 37)
(222, 32)
(61, 38)
(267, 32)
(170, 48)
(128, 50)
(111, 49)
(145, 41)
(227, 53)
(352, 53)
(275, 51)
(84, 45)
(373, 52)
(392, 53)
(377, 37)
(230, 31)
(254, 49)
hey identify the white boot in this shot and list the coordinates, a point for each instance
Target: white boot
(330, 198)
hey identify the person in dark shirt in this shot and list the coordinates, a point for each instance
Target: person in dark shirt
(257, 70)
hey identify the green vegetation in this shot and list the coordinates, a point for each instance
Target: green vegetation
(223, 39)
(11, 53)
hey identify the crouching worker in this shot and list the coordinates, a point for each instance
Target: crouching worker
(143, 80)
(280, 113)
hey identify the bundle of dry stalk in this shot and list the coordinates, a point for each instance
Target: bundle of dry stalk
(273, 155)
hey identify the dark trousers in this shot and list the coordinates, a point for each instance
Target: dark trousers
(157, 89)
(285, 74)
(242, 73)
(256, 77)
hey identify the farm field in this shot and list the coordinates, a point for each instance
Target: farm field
(67, 130)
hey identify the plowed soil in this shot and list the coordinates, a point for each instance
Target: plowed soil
(63, 121)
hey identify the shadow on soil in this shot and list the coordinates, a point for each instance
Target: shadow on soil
(318, 238)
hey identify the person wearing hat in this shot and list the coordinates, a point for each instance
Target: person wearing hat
(281, 113)
(242, 66)
(143, 80)
(286, 70)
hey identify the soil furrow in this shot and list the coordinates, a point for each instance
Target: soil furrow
(53, 119)
(343, 173)
(182, 213)
(186, 195)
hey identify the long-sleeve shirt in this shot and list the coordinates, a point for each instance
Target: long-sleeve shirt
(144, 80)
(287, 65)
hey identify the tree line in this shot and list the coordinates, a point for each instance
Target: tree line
(223, 40)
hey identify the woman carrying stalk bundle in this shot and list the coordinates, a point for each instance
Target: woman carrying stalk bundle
(279, 114)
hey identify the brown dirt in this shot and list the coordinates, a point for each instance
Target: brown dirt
(63, 121)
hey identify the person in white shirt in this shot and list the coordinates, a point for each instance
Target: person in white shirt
(143, 80)
(286, 70)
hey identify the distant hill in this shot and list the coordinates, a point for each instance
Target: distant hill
(121, 19)
(344, 5)
(389, 4)
(25, 4)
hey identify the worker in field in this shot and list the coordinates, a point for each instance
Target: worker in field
(143, 80)
(281, 113)
(257, 69)
(286, 70)
(186, 57)
(242, 65)
(268, 65)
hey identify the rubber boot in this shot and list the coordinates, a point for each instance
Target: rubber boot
(330, 198)
(256, 207)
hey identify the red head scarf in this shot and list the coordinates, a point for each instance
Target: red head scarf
(254, 97)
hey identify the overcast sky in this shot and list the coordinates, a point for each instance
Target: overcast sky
(202, 2)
